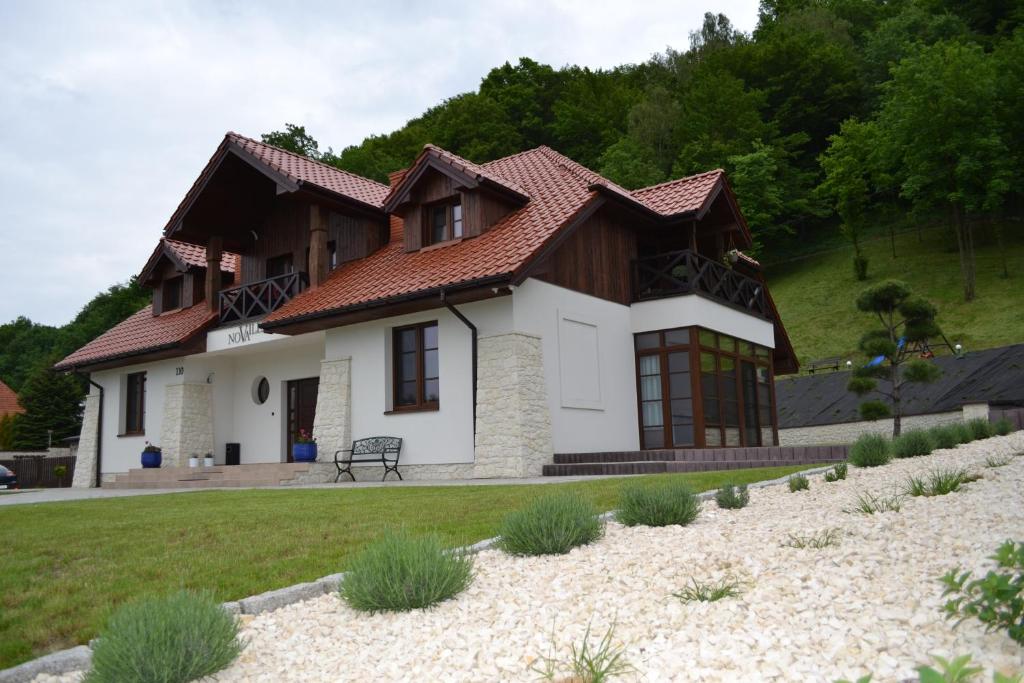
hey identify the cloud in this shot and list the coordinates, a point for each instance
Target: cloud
(110, 110)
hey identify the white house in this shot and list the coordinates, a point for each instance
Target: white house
(489, 315)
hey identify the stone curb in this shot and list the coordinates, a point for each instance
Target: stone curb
(56, 663)
(79, 658)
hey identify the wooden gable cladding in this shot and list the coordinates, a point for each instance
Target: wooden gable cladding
(481, 208)
(286, 230)
(166, 274)
(595, 258)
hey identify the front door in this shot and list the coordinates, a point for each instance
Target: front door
(301, 408)
(664, 389)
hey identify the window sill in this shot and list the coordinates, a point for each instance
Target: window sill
(413, 409)
(130, 434)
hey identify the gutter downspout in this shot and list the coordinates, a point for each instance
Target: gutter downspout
(99, 431)
(473, 333)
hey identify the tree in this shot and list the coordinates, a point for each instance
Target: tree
(849, 172)
(630, 164)
(7, 431)
(939, 124)
(53, 408)
(652, 123)
(903, 320)
(294, 139)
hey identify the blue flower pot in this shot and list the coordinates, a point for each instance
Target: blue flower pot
(151, 459)
(304, 452)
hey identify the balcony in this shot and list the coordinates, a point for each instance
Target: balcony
(677, 273)
(257, 299)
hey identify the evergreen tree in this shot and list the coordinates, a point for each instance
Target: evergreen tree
(903, 320)
(53, 409)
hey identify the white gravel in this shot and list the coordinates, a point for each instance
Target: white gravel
(869, 605)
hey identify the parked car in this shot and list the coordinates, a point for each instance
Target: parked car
(8, 480)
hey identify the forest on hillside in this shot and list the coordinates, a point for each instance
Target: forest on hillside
(833, 117)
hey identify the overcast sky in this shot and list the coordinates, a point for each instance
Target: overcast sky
(108, 111)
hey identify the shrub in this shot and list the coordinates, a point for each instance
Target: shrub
(660, 504)
(870, 450)
(945, 436)
(1002, 427)
(798, 482)
(997, 599)
(913, 443)
(732, 497)
(550, 525)
(709, 592)
(980, 428)
(822, 539)
(860, 267)
(993, 461)
(589, 665)
(836, 473)
(399, 572)
(869, 503)
(939, 482)
(962, 432)
(174, 638)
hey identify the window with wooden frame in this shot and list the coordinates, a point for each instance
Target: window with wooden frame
(442, 222)
(736, 391)
(135, 404)
(170, 294)
(665, 389)
(416, 378)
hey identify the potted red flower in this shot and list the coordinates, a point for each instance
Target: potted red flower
(304, 447)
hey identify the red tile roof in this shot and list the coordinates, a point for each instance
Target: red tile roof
(195, 256)
(558, 189)
(481, 172)
(141, 333)
(9, 401)
(301, 169)
(679, 196)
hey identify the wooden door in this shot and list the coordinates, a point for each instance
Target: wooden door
(301, 408)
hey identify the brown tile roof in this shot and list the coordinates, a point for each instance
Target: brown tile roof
(9, 401)
(303, 170)
(141, 333)
(558, 189)
(195, 256)
(679, 196)
(482, 172)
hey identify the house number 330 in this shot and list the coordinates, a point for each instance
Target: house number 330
(180, 370)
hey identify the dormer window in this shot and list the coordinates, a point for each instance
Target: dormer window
(172, 294)
(443, 222)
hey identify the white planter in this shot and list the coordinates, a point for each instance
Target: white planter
(208, 461)
(193, 462)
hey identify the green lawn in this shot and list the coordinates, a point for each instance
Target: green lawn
(66, 565)
(815, 295)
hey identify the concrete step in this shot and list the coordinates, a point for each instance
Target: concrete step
(257, 474)
(780, 454)
(661, 466)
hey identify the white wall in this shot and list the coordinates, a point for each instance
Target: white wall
(589, 366)
(121, 453)
(847, 432)
(430, 437)
(683, 311)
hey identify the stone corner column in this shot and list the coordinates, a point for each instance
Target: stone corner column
(187, 422)
(84, 476)
(513, 437)
(332, 422)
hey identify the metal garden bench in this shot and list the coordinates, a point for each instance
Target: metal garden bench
(383, 449)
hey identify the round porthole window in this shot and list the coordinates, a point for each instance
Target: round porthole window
(260, 390)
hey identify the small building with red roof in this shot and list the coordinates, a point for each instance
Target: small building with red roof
(489, 315)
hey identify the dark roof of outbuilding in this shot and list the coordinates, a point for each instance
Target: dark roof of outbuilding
(993, 376)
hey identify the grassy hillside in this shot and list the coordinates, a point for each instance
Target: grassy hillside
(815, 294)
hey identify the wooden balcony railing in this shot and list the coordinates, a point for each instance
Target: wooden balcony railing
(256, 299)
(687, 272)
